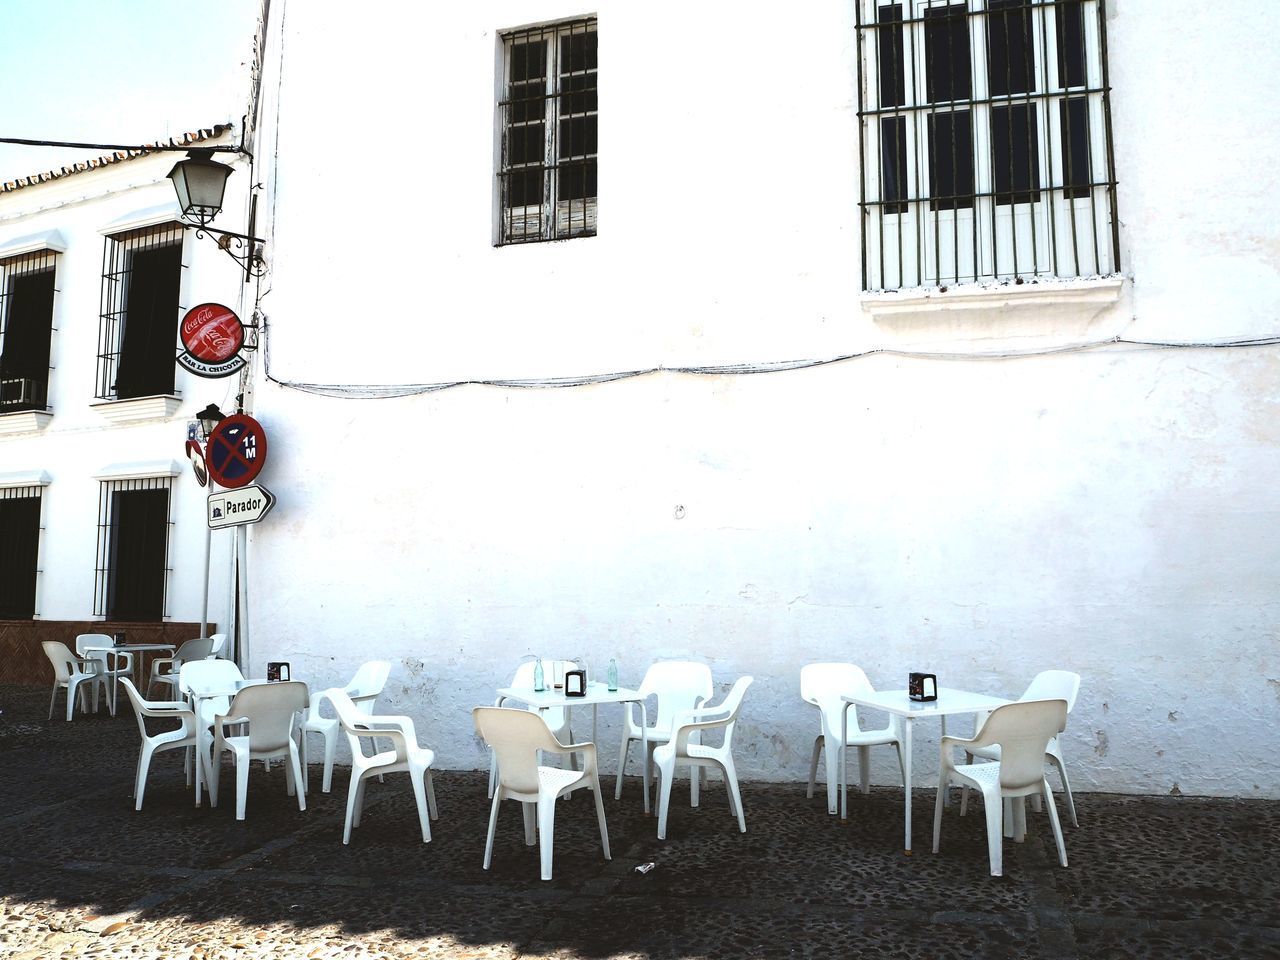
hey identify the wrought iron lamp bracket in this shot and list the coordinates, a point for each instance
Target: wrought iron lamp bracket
(247, 249)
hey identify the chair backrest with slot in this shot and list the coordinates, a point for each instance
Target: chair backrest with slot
(94, 646)
(369, 681)
(1023, 731)
(269, 708)
(192, 650)
(62, 659)
(679, 685)
(219, 641)
(516, 736)
(202, 675)
(1054, 685)
(823, 684)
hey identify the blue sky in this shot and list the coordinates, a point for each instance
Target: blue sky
(118, 71)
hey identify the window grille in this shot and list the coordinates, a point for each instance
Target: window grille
(26, 325)
(548, 121)
(19, 551)
(138, 326)
(985, 132)
(133, 549)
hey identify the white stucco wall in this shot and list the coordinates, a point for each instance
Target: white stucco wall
(78, 442)
(1110, 511)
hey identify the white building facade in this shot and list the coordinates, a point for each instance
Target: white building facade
(739, 334)
(102, 522)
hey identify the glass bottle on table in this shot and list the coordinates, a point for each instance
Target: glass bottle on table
(539, 681)
(613, 675)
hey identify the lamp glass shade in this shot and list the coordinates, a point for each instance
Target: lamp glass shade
(199, 182)
(209, 418)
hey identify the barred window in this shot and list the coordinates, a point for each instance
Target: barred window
(138, 327)
(547, 118)
(19, 551)
(985, 128)
(133, 549)
(26, 326)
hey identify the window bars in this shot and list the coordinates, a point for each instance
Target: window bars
(19, 551)
(132, 573)
(26, 325)
(985, 132)
(138, 326)
(547, 117)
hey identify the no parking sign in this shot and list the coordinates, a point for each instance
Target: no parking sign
(236, 451)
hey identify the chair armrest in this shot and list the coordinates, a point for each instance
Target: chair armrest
(156, 664)
(95, 666)
(586, 748)
(224, 720)
(401, 725)
(167, 708)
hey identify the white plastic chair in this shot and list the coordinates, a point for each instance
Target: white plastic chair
(364, 689)
(71, 673)
(1022, 730)
(183, 736)
(680, 686)
(100, 647)
(516, 736)
(1046, 685)
(164, 670)
(404, 755)
(269, 710)
(823, 684)
(683, 748)
(556, 718)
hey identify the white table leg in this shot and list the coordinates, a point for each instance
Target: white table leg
(906, 787)
(644, 747)
(199, 757)
(946, 791)
(844, 767)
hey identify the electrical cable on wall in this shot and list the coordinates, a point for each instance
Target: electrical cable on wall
(392, 391)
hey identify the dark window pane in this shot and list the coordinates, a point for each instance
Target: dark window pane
(1070, 17)
(576, 181)
(578, 94)
(893, 85)
(893, 164)
(578, 52)
(946, 39)
(528, 60)
(950, 160)
(24, 364)
(149, 341)
(528, 101)
(1076, 176)
(1010, 52)
(526, 144)
(19, 545)
(139, 520)
(578, 136)
(524, 187)
(1015, 153)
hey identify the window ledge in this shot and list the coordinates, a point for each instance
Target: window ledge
(1078, 300)
(26, 421)
(138, 409)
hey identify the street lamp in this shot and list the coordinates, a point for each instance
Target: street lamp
(200, 182)
(209, 418)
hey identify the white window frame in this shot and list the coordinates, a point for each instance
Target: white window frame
(534, 222)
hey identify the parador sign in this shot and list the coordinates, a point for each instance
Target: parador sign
(213, 337)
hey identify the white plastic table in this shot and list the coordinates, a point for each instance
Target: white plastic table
(138, 648)
(897, 703)
(597, 693)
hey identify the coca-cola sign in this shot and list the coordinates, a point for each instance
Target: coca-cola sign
(213, 337)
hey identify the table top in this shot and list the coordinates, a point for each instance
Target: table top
(130, 647)
(596, 693)
(949, 701)
(236, 688)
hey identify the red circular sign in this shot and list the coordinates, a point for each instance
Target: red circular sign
(212, 333)
(236, 451)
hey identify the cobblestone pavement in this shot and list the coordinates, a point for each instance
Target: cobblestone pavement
(83, 875)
